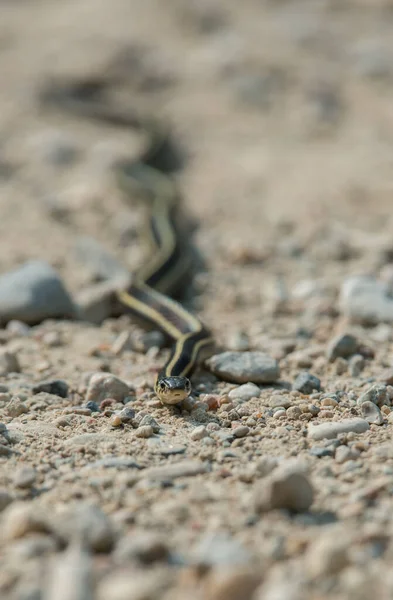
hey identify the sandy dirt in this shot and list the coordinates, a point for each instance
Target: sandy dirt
(284, 113)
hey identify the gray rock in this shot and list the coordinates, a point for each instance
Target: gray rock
(371, 413)
(329, 553)
(87, 523)
(356, 365)
(377, 394)
(144, 431)
(8, 362)
(100, 263)
(89, 439)
(244, 367)
(21, 519)
(287, 487)
(332, 429)
(70, 575)
(114, 462)
(185, 468)
(280, 402)
(57, 387)
(198, 433)
(343, 454)
(25, 477)
(149, 420)
(366, 300)
(321, 452)
(5, 499)
(32, 293)
(306, 383)
(220, 550)
(99, 302)
(16, 408)
(245, 392)
(241, 431)
(342, 346)
(144, 546)
(104, 385)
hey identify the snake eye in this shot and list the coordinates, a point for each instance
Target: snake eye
(162, 386)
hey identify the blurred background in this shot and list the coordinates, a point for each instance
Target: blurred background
(283, 108)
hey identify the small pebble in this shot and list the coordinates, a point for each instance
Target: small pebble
(8, 362)
(287, 487)
(148, 420)
(293, 412)
(280, 401)
(25, 477)
(366, 300)
(198, 433)
(116, 421)
(5, 499)
(104, 385)
(342, 346)
(343, 454)
(16, 408)
(245, 392)
(241, 431)
(371, 413)
(356, 365)
(87, 522)
(146, 431)
(306, 383)
(127, 414)
(378, 394)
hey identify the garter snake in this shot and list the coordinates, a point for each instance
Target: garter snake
(149, 294)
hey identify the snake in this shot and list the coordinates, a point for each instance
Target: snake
(151, 295)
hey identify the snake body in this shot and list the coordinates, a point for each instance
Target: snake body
(149, 294)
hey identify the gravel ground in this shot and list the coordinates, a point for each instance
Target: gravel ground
(275, 481)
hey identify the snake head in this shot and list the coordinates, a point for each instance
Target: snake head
(173, 389)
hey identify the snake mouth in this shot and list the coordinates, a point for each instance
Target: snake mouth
(172, 390)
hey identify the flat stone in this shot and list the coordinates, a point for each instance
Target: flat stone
(244, 367)
(332, 429)
(366, 300)
(114, 462)
(89, 439)
(32, 293)
(186, 468)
